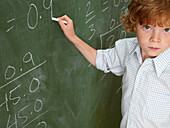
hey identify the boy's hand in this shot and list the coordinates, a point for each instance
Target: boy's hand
(68, 28)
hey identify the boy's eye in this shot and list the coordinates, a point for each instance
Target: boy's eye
(167, 30)
(147, 27)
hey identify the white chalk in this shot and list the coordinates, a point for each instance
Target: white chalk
(56, 19)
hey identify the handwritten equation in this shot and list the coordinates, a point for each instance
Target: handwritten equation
(109, 36)
(20, 99)
(14, 97)
(106, 39)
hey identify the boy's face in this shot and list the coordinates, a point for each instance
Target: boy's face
(153, 40)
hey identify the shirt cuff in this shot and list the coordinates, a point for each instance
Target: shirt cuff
(101, 61)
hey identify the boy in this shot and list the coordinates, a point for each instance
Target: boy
(144, 63)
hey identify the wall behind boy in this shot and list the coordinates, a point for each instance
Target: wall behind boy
(44, 81)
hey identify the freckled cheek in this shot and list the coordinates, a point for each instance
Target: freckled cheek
(166, 38)
(166, 42)
(142, 39)
(168, 45)
(142, 34)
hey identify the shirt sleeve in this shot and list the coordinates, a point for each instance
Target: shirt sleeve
(109, 61)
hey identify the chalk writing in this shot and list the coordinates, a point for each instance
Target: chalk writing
(10, 71)
(116, 3)
(5, 102)
(9, 21)
(21, 116)
(110, 32)
(29, 59)
(12, 98)
(37, 83)
(44, 4)
(23, 74)
(16, 99)
(10, 28)
(13, 124)
(42, 123)
(36, 118)
(48, 7)
(33, 26)
(106, 2)
(38, 101)
(108, 38)
(89, 13)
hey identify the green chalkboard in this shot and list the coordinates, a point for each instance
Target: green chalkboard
(44, 80)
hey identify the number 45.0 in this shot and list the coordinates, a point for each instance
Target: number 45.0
(11, 98)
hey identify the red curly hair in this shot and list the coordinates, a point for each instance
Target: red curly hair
(154, 12)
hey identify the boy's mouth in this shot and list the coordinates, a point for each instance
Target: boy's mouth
(154, 48)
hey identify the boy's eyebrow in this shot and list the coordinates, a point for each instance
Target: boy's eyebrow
(166, 27)
(163, 26)
(159, 23)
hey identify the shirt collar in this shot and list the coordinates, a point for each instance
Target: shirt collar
(162, 61)
(136, 50)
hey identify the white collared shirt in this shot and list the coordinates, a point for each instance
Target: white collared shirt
(146, 85)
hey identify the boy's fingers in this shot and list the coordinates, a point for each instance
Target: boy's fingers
(63, 18)
(61, 24)
(66, 18)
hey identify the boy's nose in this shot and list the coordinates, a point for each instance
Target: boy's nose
(155, 37)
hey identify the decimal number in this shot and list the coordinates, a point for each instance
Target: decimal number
(9, 97)
(33, 87)
(11, 70)
(23, 115)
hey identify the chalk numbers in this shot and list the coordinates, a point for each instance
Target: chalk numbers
(24, 118)
(11, 70)
(28, 58)
(32, 22)
(89, 16)
(114, 32)
(32, 9)
(13, 97)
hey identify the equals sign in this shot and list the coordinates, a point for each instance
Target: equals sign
(9, 21)
(106, 7)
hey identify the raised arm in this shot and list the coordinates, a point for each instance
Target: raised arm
(88, 52)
